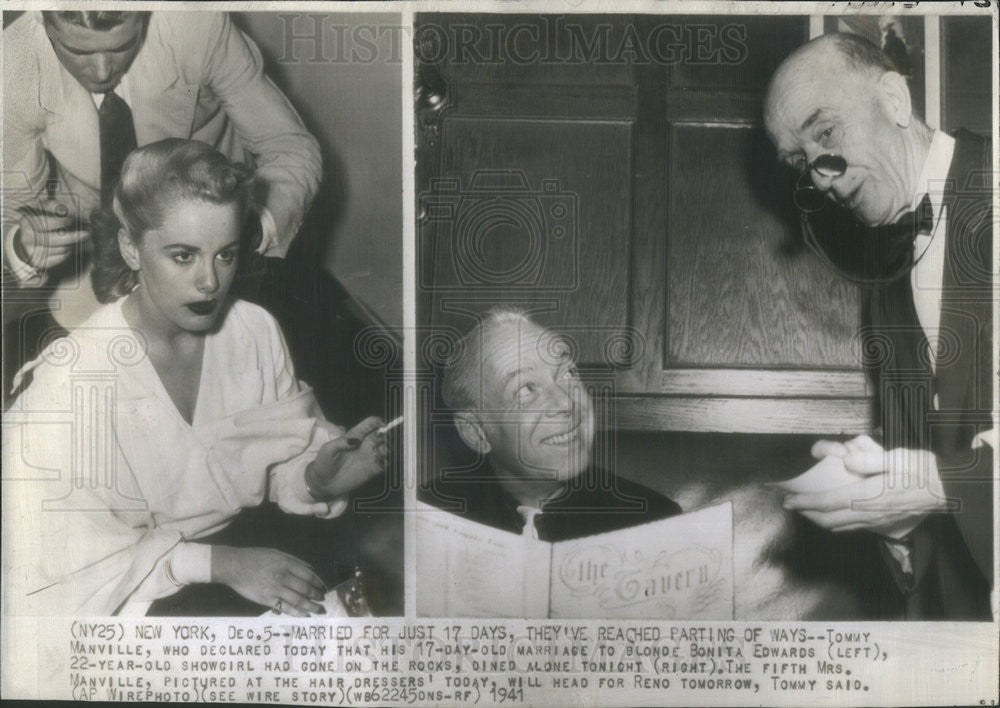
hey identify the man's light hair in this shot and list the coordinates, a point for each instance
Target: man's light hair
(861, 55)
(462, 386)
(98, 20)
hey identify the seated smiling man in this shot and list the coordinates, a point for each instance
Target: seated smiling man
(519, 403)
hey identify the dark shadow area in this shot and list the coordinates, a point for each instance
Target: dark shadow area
(786, 567)
(319, 228)
(322, 323)
(319, 317)
(771, 184)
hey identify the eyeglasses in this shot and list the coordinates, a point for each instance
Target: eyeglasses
(807, 196)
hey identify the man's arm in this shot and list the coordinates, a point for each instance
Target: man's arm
(38, 232)
(288, 162)
(24, 159)
(18, 192)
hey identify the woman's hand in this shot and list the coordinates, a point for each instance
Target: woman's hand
(269, 577)
(349, 461)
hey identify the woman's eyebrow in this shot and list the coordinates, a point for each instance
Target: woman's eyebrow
(196, 249)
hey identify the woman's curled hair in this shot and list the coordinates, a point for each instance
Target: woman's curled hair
(153, 178)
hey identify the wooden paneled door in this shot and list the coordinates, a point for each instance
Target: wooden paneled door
(610, 174)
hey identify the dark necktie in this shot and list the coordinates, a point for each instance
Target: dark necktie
(919, 221)
(117, 133)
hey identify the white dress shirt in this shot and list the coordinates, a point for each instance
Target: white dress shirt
(121, 90)
(929, 249)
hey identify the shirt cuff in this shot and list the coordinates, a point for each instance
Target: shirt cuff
(289, 492)
(268, 230)
(987, 437)
(322, 508)
(334, 508)
(190, 563)
(899, 549)
(27, 275)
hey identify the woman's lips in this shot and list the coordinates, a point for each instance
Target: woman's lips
(203, 307)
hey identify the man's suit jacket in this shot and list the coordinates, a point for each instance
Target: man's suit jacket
(196, 76)
(952, 553)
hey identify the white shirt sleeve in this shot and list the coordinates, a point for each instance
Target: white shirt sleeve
(190, 563)
(287, 486)
(27, 275)
(268, 230)
(185, 564)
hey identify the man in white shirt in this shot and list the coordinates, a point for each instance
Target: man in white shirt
(839, 112)
(82, 87)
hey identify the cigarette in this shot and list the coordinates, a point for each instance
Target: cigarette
(389, 426)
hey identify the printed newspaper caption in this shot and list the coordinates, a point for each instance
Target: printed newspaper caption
(359, 661)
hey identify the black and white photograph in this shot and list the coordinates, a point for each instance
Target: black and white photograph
(671, 262)
(200, 220)
(541, 352)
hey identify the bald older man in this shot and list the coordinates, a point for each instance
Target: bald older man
(519, 402)
(839, 113)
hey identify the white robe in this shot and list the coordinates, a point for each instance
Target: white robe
(104, 479)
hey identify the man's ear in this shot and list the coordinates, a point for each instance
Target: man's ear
(130, 253)
(894, 95)
(471, 432)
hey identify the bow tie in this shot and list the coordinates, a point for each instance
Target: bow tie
(919, 221)
(900, 236)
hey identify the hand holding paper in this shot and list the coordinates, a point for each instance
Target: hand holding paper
(829, 473)
(859, 485)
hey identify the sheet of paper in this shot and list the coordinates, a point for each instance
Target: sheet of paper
(829, 473)
(466, 569)
(677, 568)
